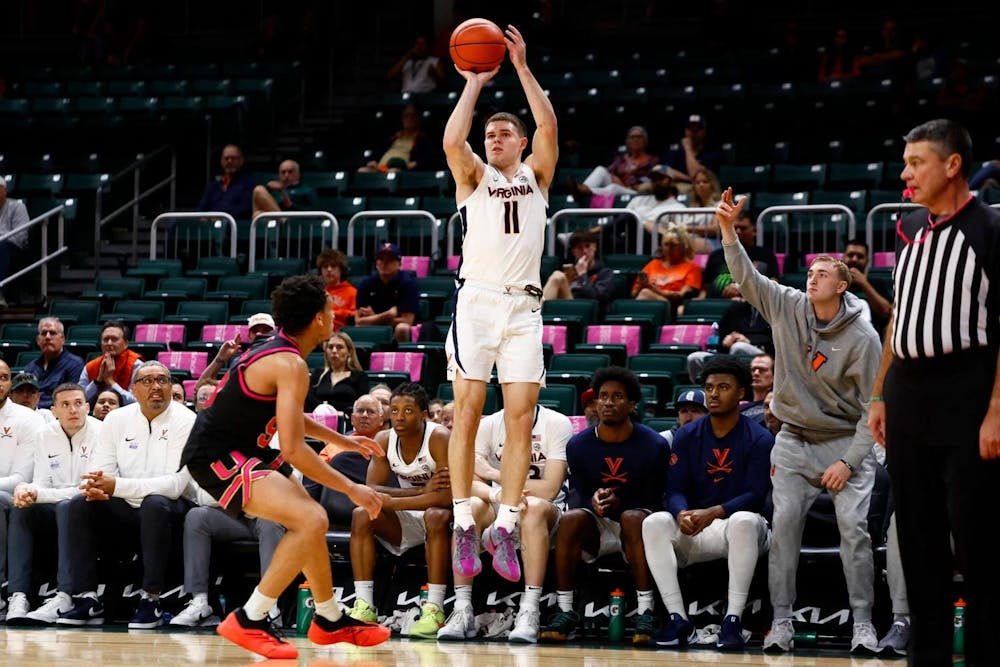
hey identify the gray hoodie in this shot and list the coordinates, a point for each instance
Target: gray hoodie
(823, 373)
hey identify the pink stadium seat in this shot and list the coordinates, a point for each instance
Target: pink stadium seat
(195, 362)
(415, 333)
(579, 423)
(884, 259)
(780, 256)
(629, 334)
(602, 200)
(159, 333)
(219, 333)
(189, 388)
(555, 334)
(409, 362)
(453, 262)
(685, 334)
(416, 263)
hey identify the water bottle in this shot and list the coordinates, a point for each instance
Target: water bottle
(805, 638)
(222, 604)
(305, 609)
(712, 344)
(616, 614)
(958, 639)
(424, 592)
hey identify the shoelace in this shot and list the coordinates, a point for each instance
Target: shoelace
(465, 544)
(505, 547)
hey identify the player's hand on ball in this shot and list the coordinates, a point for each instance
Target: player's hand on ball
(481, 77)
(516, 48)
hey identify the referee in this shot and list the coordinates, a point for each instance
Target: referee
(936, 400)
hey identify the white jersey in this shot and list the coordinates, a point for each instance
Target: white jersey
(549, 434)
(415, 473)
(19, 428)
(60, 460)
(503, 230)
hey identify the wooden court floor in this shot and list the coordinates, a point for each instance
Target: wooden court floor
(31, 647)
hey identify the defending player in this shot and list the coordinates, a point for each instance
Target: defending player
(497, 316)
(228, 455)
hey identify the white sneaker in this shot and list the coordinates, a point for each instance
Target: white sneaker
(48, 612)
(781, 637)
(17, 608)
(195, 615)
(461, 624)
(525, 627)
(865, 640)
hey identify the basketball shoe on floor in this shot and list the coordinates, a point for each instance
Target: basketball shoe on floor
(503, 547)
(148, 615)
(864, 640)
(645, 625)
(258, 636)
(465, 550)
(781, 637)
(525, 627)
(677, 632)
(324, 631)
(17, 609)
(894, 642)
(196, 614)
(86, 610)
(430, 621)
(48, 612)
(561, 627)
(362, 611)
(461, 625)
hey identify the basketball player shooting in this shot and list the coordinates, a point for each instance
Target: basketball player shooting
(497, 316)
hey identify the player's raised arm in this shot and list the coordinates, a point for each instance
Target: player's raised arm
(545, 142)
(466, 167)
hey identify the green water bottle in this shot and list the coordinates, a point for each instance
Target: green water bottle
(958, 639)
(805, 638)
(305, 609)
(425, 591)
(616, 615)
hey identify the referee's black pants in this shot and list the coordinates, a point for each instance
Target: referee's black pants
(943, 488)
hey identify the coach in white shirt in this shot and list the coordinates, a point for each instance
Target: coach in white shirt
(133, 487)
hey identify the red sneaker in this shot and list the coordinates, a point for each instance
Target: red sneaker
(347, 629)
(258, 636)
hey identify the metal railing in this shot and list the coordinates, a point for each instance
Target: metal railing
(138, 195)
(687, 218)
(450, 231)
(592, 213)
(426, 215)
(274, 221)
(870, 217)
(207, 217)
(46, 256)
(803, 208)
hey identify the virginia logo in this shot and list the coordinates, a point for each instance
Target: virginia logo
(613, 474)
(722, 464)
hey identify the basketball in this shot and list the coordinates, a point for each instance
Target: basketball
(477, 45)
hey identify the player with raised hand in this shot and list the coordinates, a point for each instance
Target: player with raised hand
(497, 316)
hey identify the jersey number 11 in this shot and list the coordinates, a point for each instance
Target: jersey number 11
(510, 219)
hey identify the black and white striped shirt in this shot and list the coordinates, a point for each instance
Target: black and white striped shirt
(947, 280)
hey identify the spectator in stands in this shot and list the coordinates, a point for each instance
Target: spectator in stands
(57, 365)
(586, 278)
(742, 331)
(177, 392)
(63, 452)
(232, 191)
(986, 177)
(418, 456)
(408, 148)
(129, 488)
(421, 72)
(332, 266)
(830, 354)
(618, 477)
(544, 502)
(383, 393)
(857, 259)
(673, 277)
(448, 415)
(961, 95)
(840, 59)
(772, 423)
(13, 214)
(203, 391)
(589, 404)
(693, 153)
(717, 485)
(762, 383)
(115, 368)
(705, 193)
(718, 279)
(389, 296)
(887, 57)
(24, 391)
(434, 408)
(690, 406)
(106, 401)
(259, 327)
(205, 526)
(367, 419)
(628, 173)
(341, 380)
(288, 193)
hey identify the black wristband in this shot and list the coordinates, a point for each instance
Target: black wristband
(849, 466)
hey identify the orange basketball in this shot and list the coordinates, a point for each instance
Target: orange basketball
(477, 45)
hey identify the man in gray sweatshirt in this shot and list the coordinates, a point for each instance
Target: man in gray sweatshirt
(826, 359)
